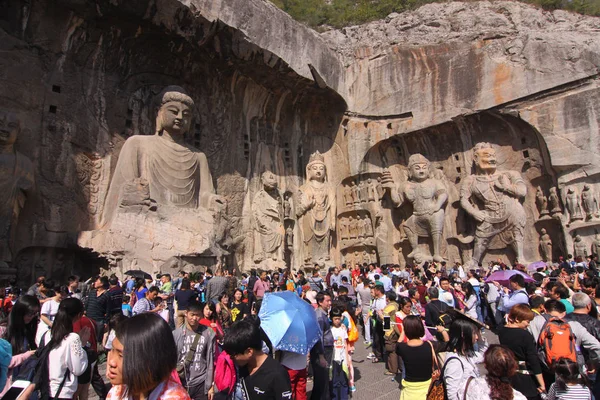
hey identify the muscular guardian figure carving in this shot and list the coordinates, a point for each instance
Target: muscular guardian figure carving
(493, 199)
(428, 197)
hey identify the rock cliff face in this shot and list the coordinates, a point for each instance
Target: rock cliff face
(269, 92)
(445, 64)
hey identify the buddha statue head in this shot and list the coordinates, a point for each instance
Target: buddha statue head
(9, 128)
(269, 181)
(484, 157)
(316, 170)
(418, 168)
(175, 112)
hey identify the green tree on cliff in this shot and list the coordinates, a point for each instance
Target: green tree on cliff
(340, 13)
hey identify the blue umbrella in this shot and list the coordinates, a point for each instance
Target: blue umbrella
(289, 322)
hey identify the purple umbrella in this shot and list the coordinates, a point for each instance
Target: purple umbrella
(502, 277)
(534, 266)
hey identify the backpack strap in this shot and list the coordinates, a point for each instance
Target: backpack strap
(43, 339)
(190, 354)
(60, 387)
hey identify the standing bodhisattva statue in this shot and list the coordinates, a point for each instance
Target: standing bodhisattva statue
(316, 210)
(268, 220)
(428, 197)
(492, 198)
(16, 182)
(177, 173)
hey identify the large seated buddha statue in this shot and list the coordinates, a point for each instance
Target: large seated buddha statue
(161, 200)
(177, 173)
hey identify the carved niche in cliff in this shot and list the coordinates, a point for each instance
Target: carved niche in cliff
(161, 201)
(497, 215)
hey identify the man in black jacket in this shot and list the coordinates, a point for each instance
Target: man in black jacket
(433, 310)
(114, 297)
(582, 303)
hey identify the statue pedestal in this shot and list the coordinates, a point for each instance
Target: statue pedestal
(142, 238)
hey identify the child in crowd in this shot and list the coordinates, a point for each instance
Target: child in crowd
(338, 381)
(126, 307)
(569, 382)
(109, 335)
(164, 313)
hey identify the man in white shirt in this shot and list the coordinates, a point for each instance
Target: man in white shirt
(445, 288)
(518, 295)
(377, 306)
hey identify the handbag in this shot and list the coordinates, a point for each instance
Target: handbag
(467, 387)
(436, 387)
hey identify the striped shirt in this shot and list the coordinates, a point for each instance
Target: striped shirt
(575, 392)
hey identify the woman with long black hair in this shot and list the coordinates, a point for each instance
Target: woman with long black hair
(68, 358)
(20, 333)
(463, 357)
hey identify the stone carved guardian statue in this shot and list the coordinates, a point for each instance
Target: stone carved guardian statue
(573, 205)
(579, 248)
(16, 183)
(344, 229)
(177, 173)
(541, 202)
(353, 228)
(363, 192)
(348, 195)
(287, 205)
(316, 210)
(368, 224)
(372, 190)
(545, 246)
(354, 192)
(428, 197)
(267, 212)
(589, 202)
(492, 198)
(554, 202)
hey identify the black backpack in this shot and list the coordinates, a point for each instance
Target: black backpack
(251, 281)
(35, 370)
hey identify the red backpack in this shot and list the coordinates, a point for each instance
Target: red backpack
(557, 341)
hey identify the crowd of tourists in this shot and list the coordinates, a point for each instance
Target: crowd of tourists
(198, 335)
